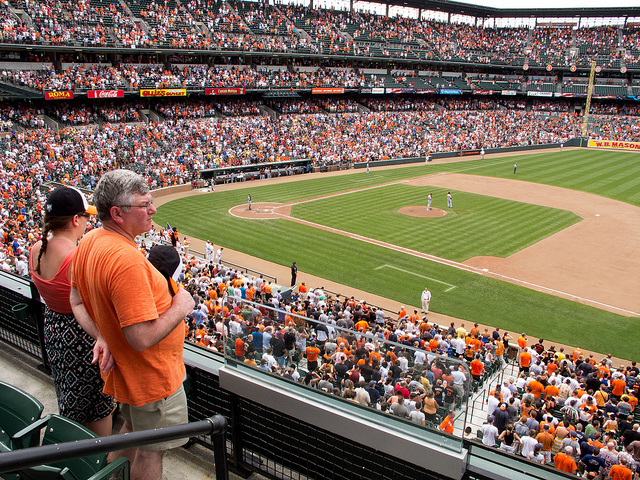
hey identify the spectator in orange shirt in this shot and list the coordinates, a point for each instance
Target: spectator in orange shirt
(525, 362)
(536, 387)
(477, 367)
(564, 461)
(576, 353)
(312, 353)
(522, 342)
(240, 348)
(546, 439)
(551, 390)
(618, 387)
(621, 471)
(447, 424)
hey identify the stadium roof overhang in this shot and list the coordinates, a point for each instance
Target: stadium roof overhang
(488, 12)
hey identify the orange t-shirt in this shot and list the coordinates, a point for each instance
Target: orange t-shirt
(536, 388)
(522, 342)
(476, 367)
(620, 472)
(312, 353)
(447, 425)
(618, 387)
(525, 359)
(551, 391)
(565, 463)
(105, 268)
(362, 325)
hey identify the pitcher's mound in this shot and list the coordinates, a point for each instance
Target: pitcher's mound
(421, 211)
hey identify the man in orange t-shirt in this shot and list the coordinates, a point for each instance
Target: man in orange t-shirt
(522, 342)
(536, 387)
(302, 288)
(447, 424)
(477, 367)
(525, 361)
(117, 290)
(621, 471)
(312, 352)
(564, 461)
(618, 387)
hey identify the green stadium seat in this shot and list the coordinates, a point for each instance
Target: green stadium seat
(93, 467)
(18, 410)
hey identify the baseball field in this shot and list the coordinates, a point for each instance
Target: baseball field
(553, 250)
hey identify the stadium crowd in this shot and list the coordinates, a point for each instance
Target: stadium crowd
(258, 27)
(338, 345)
(564, 408)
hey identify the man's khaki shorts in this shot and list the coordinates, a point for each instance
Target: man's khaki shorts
(162, 413)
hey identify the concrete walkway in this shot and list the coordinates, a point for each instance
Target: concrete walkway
(20, 369)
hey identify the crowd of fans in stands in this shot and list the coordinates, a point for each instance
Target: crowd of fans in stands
(199, 133)
(564, 408)
(261, 27)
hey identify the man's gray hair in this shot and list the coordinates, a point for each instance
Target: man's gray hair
(116, 189)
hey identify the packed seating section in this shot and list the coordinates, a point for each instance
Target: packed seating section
(249, 26)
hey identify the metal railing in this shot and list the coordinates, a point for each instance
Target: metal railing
(215, 426)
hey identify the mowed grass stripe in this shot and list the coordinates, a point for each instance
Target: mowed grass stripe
(480, 230)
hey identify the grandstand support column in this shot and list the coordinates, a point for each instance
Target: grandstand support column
(585, 118)
(386, 11)
(350, 6)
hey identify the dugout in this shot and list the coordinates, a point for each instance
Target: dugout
(240, 173)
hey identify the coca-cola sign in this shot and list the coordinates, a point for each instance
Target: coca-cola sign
(105, 93)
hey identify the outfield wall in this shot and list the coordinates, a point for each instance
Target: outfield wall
(574, 142)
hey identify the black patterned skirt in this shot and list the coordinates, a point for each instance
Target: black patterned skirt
(77, 381)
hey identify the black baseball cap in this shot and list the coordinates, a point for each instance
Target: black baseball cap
(68, 201)
(167, 261)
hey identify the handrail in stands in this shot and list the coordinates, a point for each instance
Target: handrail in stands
(215, 426)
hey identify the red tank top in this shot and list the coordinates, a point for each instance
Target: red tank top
(54, 292)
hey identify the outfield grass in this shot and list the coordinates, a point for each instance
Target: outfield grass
(478, 225)
(356, 263)
(609, 174)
